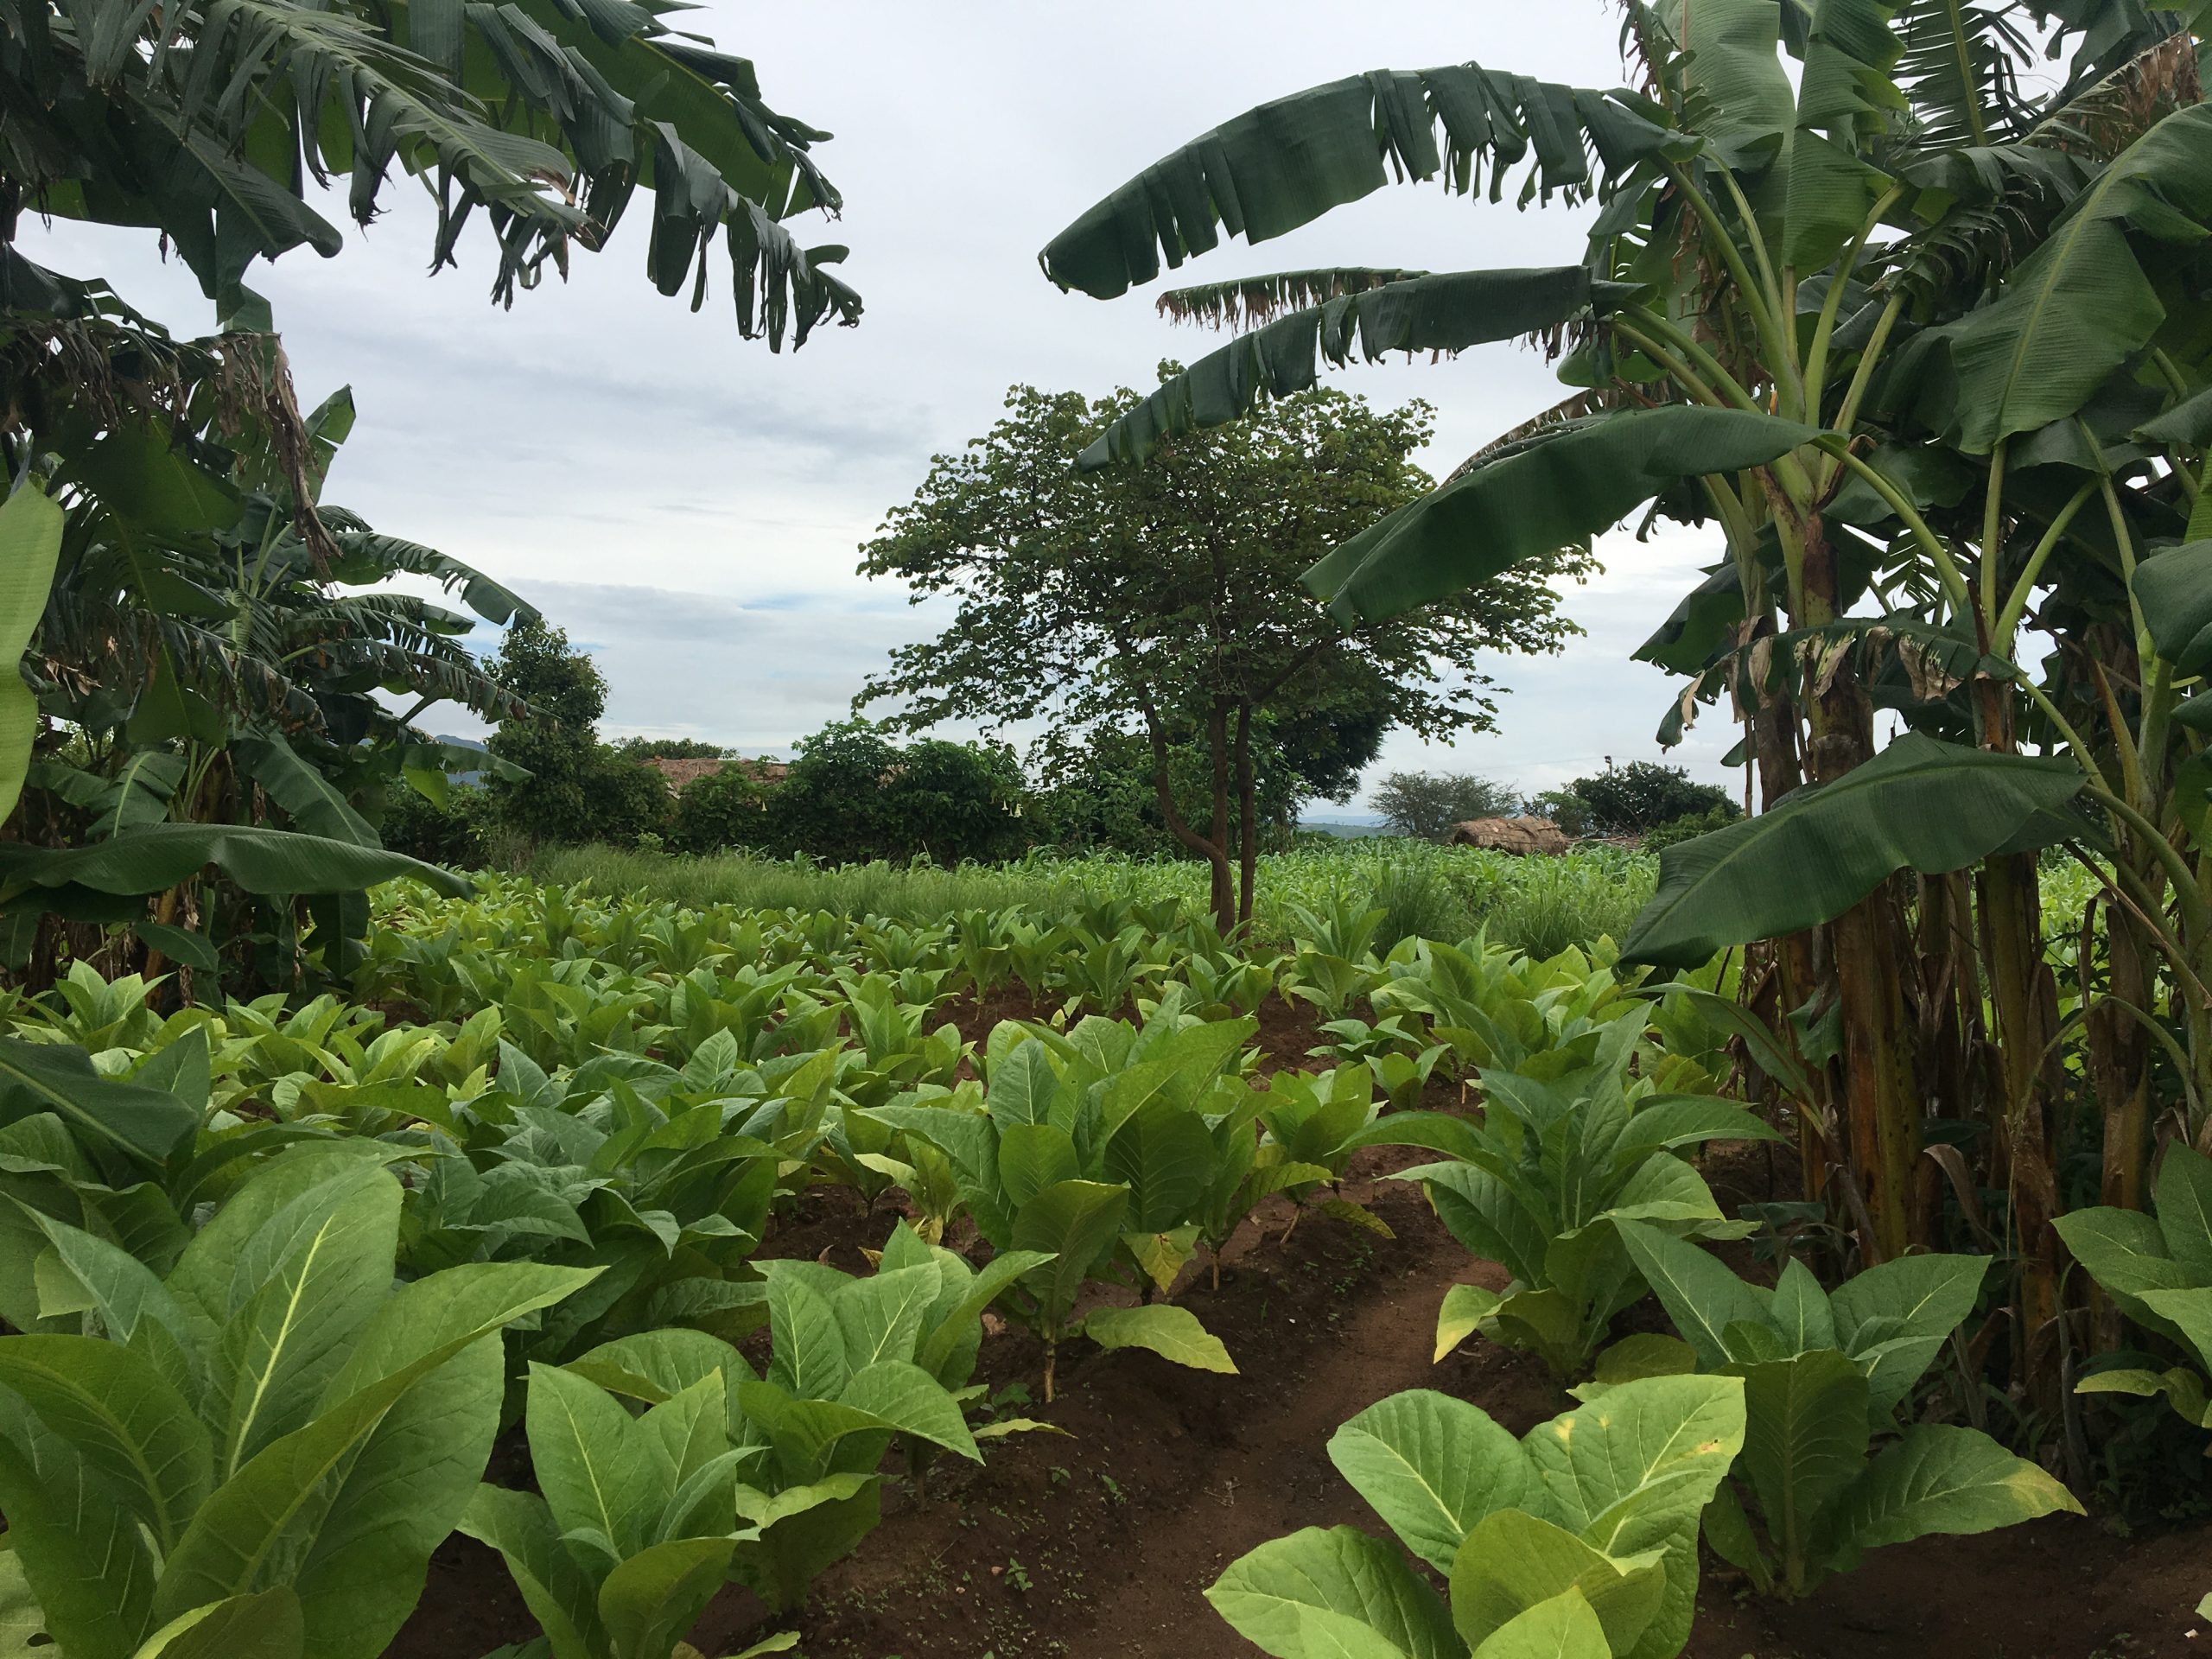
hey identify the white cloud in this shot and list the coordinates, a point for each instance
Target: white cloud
(692, 505)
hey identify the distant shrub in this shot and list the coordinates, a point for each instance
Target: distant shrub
(853, 795)
(669, 748)
(1427, 803)
(1690, 827)
(722, 810)
(1642, 795)
(451, 834)
(1566, 808)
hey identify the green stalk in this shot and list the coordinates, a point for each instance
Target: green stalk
(2127, 544)
(2082, 756)
(1763, 317)
(1816, 361)
(1855, 394)
(1955, 585)
(1666, 359)
(2177, 867)
(1776, 290)
(1681, 340)
(2008, 620)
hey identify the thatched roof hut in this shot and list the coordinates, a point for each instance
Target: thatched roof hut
(1518, 835)
(679, 773)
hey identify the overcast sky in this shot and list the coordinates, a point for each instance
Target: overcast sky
(688, 507)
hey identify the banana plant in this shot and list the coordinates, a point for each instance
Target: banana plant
(1824, 1374)
(1601, 1504)
(2158, 1270)
(1542, 1182)
(268, 1422)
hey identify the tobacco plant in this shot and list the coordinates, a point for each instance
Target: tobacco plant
(1093, 1148)
(2158, 1270)
(1602, 1502)
(1824, 1374)
(267, 1427)
(783, 1478)
(1541, 1183)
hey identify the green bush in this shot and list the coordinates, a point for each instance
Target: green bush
(1566, 808)
(452, 833)
(1689, 828)
(1642, 795)
(623, 799)
(1427, 803)
(717, 811)
(853, 796)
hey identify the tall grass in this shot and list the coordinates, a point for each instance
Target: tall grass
(895, 892)
(1537, 904)
(1549, 904)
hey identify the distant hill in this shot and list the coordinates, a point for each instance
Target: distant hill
(1349, 828)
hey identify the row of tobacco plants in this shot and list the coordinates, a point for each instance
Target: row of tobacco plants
(280, 1271)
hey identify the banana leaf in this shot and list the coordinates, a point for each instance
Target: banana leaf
(1919, 805)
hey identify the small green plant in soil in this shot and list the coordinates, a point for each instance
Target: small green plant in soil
(1589, 1520)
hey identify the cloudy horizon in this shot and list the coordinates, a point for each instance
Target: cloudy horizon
(690, 507)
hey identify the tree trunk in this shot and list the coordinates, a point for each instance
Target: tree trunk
(1216, 851)
(2120, 1064)
(1247, 817)
(2011, 944)
(1225, 884)
(1881, 1113)
(1773, 731)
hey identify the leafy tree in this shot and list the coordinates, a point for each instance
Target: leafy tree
(1566, 808)
(853, 795)
(1690, 827)
(1644, 794)
(1097, 790)
(1427, 803)
(576, 788)
(1161, 600)
(449, 832)
(1916, 326)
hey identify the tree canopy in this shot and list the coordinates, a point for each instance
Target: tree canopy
(1427, 803)
(1162, 601)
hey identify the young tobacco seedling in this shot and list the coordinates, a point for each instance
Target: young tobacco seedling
(1582, 1533)
(1823, 1374)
